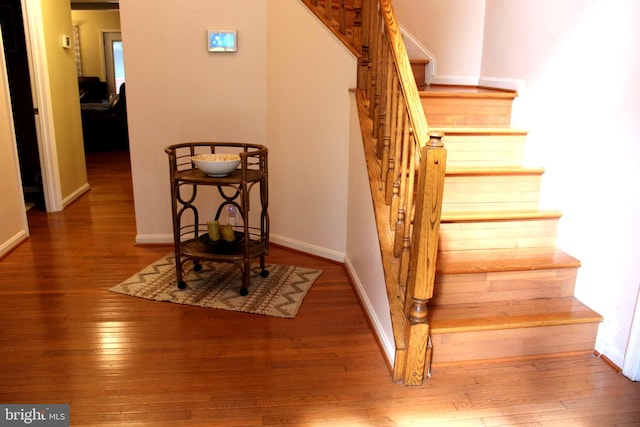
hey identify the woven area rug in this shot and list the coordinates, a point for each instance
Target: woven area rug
(217, 285)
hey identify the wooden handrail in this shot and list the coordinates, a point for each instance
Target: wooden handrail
(407, 178)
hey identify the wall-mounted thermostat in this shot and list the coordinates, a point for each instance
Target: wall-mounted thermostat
(222, 41)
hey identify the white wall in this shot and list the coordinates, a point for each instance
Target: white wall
(580, 65)
(452, 32)
(177, 91)
(91, 25)
(13, 226)
(277, 90)
(309, 76)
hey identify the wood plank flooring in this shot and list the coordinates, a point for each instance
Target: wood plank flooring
(123, 361)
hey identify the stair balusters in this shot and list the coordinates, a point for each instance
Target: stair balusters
(409, 175)
(411, 180)
(343, 18)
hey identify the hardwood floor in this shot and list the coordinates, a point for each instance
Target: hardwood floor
(120, 360)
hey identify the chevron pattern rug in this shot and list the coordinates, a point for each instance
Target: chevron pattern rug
(217, 285)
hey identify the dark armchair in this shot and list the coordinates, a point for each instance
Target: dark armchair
(92, 90)
(104, 124)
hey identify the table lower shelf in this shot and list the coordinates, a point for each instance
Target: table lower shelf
(194, 248)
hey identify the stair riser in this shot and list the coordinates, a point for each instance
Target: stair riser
(467, 112)
(512, 343)
(491, 193)
(484, 150)
(419, 69)
(503, 286)
(498, 235)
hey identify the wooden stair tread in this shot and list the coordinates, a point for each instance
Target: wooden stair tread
(452, 91)
(421, 61)
(506, 215)
(493, 260)
(494, 170)
(509, 315)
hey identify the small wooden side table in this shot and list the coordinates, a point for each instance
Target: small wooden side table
(191, 240)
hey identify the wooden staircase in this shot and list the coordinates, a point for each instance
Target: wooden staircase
(503, 289)
(500, 287)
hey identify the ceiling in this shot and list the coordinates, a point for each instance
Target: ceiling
(94, 5)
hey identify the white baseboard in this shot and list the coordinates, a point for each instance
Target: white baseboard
(307, 248)
(631, 364)
(163, 239)
(73, 196)
(500, 83)
(154, 239)
(10, 244)
(387, 343)
(490, 82)
(455, 80)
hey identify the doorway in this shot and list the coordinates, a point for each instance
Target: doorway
(113, 60)
(100, 51)
(16, 56)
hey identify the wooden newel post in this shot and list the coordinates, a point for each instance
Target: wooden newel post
(424, 251)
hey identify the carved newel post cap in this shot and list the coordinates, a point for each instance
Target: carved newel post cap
(418, 311)
(435, 138)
